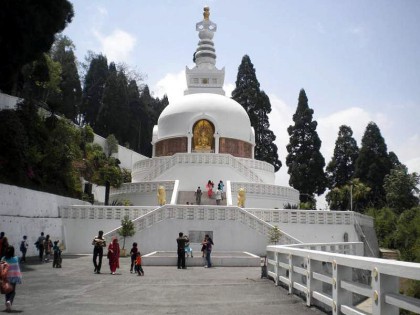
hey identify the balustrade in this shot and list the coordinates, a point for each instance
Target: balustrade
(333, 275)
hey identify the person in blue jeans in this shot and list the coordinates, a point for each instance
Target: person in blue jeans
(208, 242)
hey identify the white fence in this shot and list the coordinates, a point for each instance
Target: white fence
(203, 213)
(324, 275)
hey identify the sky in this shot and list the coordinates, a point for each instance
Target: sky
(358, 61)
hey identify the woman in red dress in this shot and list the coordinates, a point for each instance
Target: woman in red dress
(209, 187)
(114, 255)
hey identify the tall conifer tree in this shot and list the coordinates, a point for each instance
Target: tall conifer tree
(68, 100)
(304, 159)
(373, 164)
(340, 169)
(93, 88)
(257, 105)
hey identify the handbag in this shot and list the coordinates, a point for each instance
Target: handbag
(6, 287)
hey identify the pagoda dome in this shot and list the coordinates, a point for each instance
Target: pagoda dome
(228, 117)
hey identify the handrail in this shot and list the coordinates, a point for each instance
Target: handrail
(164, 163)
(328, 277)
(181, 211)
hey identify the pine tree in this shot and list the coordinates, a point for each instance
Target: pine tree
(373, 164)
(68, 100)
(257, 105)
(340, 169)
(93, 88)
(304, 160)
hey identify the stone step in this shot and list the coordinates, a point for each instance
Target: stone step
(189, 196)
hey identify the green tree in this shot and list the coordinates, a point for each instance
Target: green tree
(304, 160)
(341, 167)
(111, 145)
(34, 25)
(385, 226)
(400, 188)
(149, 114)
(393, 158)
(407, 235)
(274, 235)
(68, 100)
(93, 88)
(257, 104)
(349, 196)
(40, 79)
(13, 159)
(373, 164)
(127, 229)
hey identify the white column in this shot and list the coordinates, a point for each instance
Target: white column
(216, 140)
(189, 135)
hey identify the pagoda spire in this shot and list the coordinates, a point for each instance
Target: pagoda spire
(205, 77)
(205, 54)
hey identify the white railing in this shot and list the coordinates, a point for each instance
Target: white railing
(326, 275)
(310, 216)
(143, 187)
(202, 213)
(102, 212)
(257, 164)
(261, 189)
(149, 169)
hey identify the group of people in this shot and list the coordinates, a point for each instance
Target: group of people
(10, 273)
(210, 192)
(45, 247)
(183, 249)
(113, 255)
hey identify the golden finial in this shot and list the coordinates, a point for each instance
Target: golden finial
(206, 13)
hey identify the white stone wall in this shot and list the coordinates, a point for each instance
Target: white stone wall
(29, 212)
(126, 156)
(8, 101)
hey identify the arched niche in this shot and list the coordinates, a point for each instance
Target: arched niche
(203, 136)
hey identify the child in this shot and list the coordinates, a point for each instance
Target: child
(139, 268)
(57, 255)
(133, 254)
(23, 248)
(187, 248)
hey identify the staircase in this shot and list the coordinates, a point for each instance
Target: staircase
(189, 196)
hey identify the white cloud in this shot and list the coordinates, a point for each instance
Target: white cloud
(173, 85)
(117, 46)
(355, 117)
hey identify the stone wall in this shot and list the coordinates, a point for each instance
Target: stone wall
(29, 212)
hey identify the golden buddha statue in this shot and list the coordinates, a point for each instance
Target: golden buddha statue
(203, 136)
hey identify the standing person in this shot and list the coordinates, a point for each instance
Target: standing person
(40, 245)
(133, 254)
(218, 196)
(4, 245)
(98, 251)
(1, 243)
(114, 255)
(13, 275)
(47, 248)
(198, 194)
(24, 248)
(221, 186)
(57, 255)
(209, 246)
(181, 241)
(203, 251)
(139, 268)
(209, 187)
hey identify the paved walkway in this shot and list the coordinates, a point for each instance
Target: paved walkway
(75, 289)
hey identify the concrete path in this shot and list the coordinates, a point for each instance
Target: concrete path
(75, 289)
